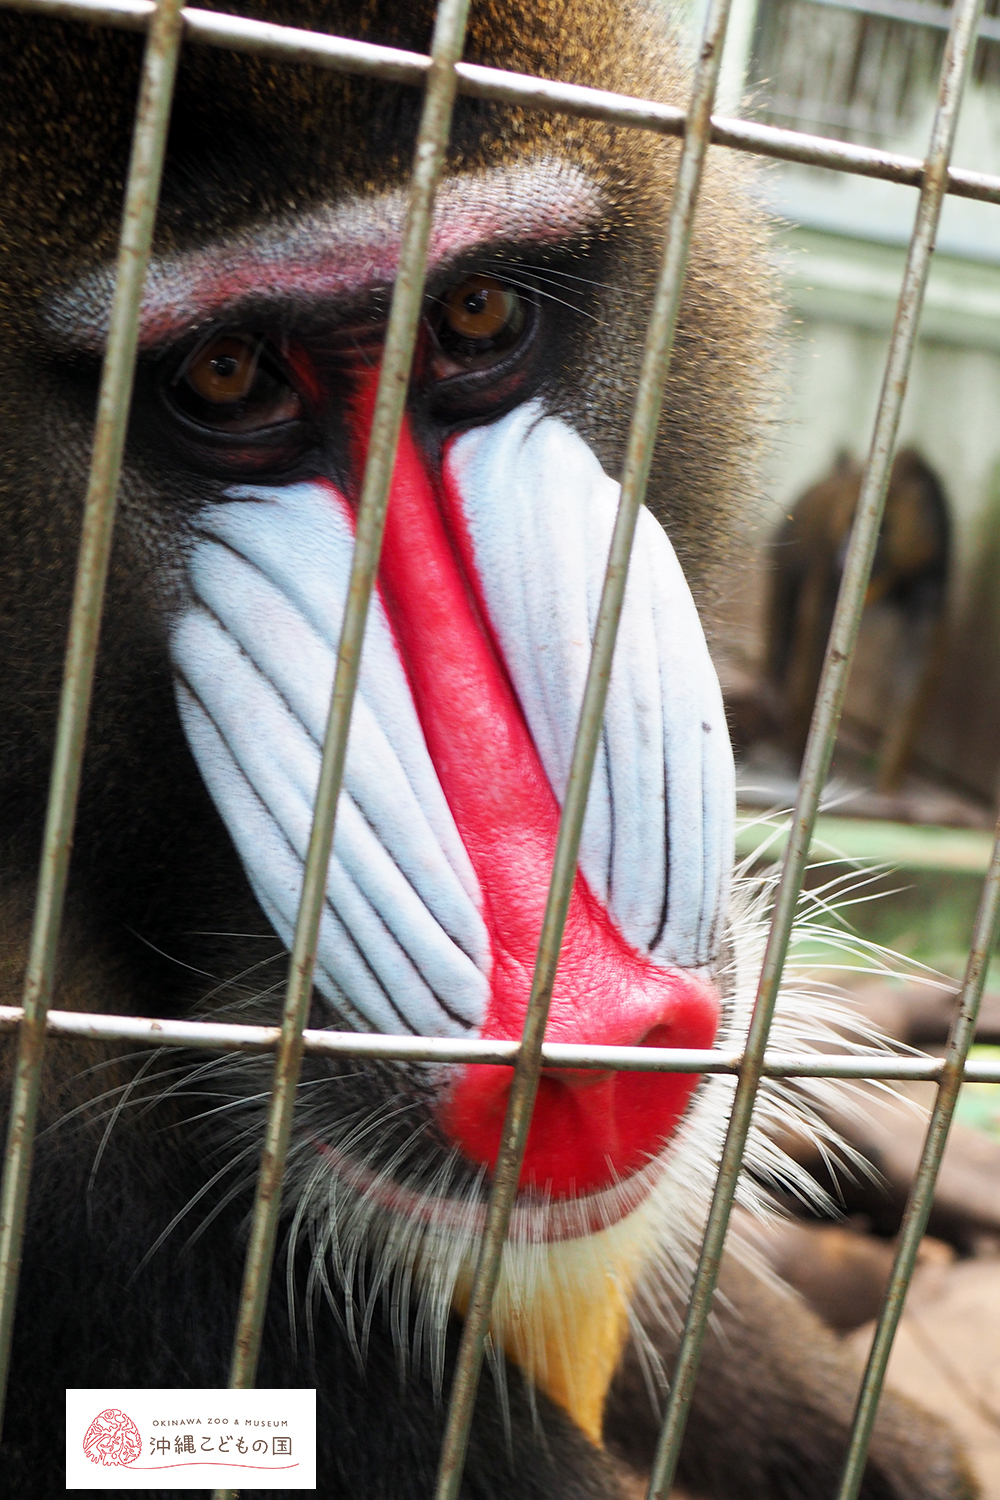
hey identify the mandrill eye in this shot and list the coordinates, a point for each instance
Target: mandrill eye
(479, 319)
(233, 383)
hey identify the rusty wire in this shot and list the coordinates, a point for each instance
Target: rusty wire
(635, 475)
(210, 1036)
(390, 400)
(159, 69)
(345, 55)
(441, 75)
(819, 746)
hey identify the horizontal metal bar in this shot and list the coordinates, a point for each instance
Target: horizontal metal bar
(349, 56)
(844, 156)
(215, 1036)
(915, 12)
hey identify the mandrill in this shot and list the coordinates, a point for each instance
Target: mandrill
(260, 337)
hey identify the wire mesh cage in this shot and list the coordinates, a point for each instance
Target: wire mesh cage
(440, 76)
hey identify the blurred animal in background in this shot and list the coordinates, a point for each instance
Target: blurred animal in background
(910, 574)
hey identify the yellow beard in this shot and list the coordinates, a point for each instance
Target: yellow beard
(561, 1311)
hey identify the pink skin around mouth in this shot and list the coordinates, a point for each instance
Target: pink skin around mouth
(536, 1219)
(589, 1131)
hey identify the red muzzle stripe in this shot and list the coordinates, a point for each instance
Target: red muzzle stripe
(588, 1128)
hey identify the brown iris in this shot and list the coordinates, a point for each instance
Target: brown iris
(479, 316)
(224, 370)
(234, 382)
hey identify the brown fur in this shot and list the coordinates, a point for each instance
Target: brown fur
(784, 1431)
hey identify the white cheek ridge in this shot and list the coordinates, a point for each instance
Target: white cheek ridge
(281, 764)
(401, 936)
(290, 655)
(657, 842)
(253, 832)
(299, 539)
(719, 813)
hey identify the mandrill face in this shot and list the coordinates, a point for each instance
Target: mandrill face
(260, 342)
(472, 680)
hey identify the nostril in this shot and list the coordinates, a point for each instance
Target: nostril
(663, 1035)
(578, 1078)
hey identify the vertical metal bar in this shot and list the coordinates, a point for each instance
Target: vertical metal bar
(142, 192)
(736, 58)
(822, 731)
(635, 475)
(921, 1197)
(404, 318)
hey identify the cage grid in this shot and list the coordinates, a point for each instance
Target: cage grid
(442, 75)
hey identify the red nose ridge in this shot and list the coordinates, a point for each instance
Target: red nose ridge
(590, 1129)
(587, 1130)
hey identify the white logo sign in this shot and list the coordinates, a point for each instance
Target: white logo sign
(122, 1439)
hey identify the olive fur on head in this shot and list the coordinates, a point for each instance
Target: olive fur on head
(273, 263)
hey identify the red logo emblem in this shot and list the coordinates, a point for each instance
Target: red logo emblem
(112, 1438)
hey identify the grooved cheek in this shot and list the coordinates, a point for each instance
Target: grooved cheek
(475, 732)
(587, 1127)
